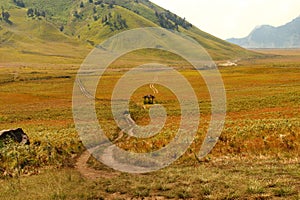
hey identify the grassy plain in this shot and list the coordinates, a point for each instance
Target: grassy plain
(257, 156)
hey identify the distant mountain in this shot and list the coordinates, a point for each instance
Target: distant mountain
(33, 30)
(286, 36)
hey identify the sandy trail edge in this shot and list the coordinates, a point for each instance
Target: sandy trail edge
(90, 173)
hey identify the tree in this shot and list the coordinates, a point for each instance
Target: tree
(94, 10)
(81, 5)
(111, 5)
(115, 25)
(98, 2)
(43, 14)
(19, 3)
(5, 16)
(76, 14)
(104, 19)
(30, 12)
(37, 13)
(124, 23)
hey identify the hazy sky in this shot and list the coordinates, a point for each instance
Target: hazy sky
(233, 18)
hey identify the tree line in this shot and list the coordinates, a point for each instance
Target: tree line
(117, 23)
(35, 13)
(169, 20)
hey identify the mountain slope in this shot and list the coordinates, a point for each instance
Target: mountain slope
(67, 30)
(286, 36)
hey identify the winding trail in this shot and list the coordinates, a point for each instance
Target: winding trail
(84, 91)
(88, 172)
(108, 154)
(153, 88)
(107, 157)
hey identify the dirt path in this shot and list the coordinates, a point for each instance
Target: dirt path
(153, 88)
(107, 156)
(90, 173)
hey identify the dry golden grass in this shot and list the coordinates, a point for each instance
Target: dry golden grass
(257, 156)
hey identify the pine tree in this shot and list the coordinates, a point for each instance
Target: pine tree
(81, 5)
(30, 12)
(5, 16)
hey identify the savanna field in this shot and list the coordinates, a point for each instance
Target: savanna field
(256, 157)
(42, 45)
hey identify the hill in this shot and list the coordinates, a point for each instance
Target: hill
(65, 31)
(286, 36)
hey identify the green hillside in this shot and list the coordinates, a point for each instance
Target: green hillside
(55, 31)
